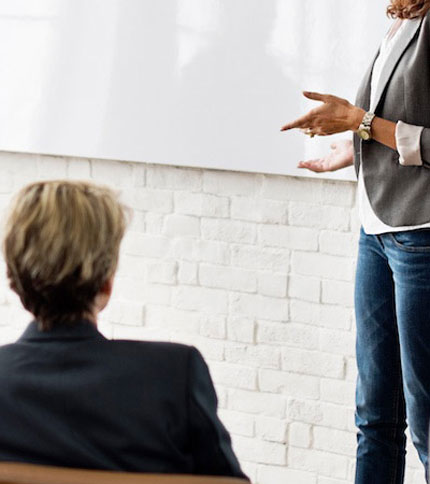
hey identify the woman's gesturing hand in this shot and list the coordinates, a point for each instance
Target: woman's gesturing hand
(335, 115)
(340, 156)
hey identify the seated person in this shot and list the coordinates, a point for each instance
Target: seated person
(69, 396)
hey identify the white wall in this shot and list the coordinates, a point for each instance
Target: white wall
(257, 272)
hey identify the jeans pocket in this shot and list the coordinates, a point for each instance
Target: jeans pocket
(412, 240)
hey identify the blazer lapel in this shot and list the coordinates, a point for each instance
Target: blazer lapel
(363, 93)
(392, 61)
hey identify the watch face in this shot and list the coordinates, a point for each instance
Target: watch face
(364, 134)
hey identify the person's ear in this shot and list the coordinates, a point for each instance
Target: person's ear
(104, 295)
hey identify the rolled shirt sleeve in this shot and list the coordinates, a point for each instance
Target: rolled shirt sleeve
(408, 139)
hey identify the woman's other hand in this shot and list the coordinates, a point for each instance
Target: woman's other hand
(335, 115)
(340, 156)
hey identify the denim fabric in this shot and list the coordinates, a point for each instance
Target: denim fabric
(392, 303)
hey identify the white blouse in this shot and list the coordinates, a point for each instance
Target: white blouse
(408, 145)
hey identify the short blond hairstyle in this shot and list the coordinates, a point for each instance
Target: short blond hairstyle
(61, 245)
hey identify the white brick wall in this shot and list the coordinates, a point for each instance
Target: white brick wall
(257, 272)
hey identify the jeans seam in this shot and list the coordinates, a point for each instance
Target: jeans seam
(406, 248)
(396, 413)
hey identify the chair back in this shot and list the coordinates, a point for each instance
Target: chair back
(17, 473)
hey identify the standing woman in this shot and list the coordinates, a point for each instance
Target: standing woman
(391, 153)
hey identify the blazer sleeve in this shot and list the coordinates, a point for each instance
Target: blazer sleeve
(425, 147)
(210, 441)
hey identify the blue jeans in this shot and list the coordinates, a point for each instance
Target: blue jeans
(392, 304)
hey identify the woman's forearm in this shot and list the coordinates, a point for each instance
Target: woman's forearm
(384, 132)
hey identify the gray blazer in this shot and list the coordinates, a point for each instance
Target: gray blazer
(399, 195)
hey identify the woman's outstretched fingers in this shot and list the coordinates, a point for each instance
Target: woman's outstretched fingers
(315, 96)
(302, 122)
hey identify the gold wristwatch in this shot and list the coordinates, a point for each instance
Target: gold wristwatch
(365, 128)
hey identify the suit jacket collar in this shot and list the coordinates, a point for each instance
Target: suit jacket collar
(411, 29)
(82, 330)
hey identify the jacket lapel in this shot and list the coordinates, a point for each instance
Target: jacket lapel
(391, 63)
(363, 93)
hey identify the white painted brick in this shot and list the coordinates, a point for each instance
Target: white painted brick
(132, 266)
(188, 273)
(304, 411)
(157, 201)
(272, 285)
(137, 222)
(287, 334)
(78, 169)
(335, 317)
(259, 210)
(208, 301)
(329, 480)
(336, 441)
(300, 435)
(351, 369)
(241, 329)
(312, 363)
(260, 307)
(304, 312)
(126, 312)
(154, 223)
(139, 174)
(227, 278)
(290, 384)
(335, 341)
(304, 287)
(338, 292)
(169, 177)
(290, 188)
(271, 429)
(338, 243)
(230, 183)
(201, 205)
(213, 327)
(324, 266)
(355, 220)
(318, 216)
(201, 251)
(162, 272)
(237, 335)
(260, 451)
(257, 403)
(276, 474)
(261, 259)
(117, 174)
(234, 376)
(289, 237)
(172, 318)
(51, 167)
(228, 231)
(212, 350)
(338, 391)
(324, 463)
(237, 422)
(136, 243)
(258, 356)
(338, 193)
(250, 470)
(181, 226)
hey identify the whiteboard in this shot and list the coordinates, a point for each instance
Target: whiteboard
(201, 83)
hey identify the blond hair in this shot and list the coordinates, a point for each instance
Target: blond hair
(407, 9)
(61, 245)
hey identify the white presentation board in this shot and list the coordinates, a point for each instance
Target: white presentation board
(184, 82)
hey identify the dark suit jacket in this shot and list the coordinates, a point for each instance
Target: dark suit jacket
(70, 397)
(399, 195)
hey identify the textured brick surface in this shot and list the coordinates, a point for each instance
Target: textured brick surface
(257, 272)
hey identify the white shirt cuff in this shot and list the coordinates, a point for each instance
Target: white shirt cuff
(408, 138)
